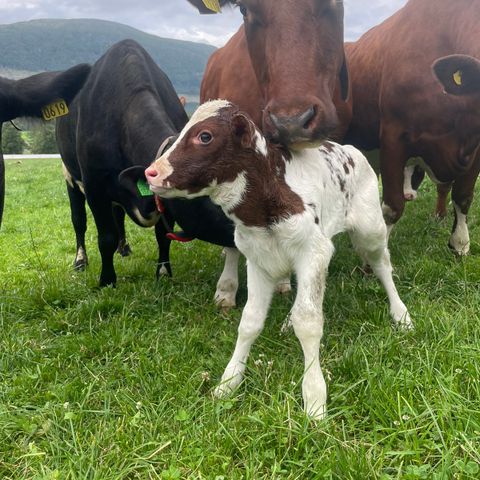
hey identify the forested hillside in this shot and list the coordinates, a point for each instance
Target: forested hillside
(41, 45)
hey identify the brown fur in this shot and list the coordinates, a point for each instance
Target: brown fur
(399, 107)
(264, 67)
(197, 166)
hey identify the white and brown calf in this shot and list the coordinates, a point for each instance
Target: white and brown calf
(286, 207)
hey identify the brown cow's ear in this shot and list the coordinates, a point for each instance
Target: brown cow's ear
(344, 79)
(243, 130)
(459, 74)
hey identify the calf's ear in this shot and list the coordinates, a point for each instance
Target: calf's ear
(459, 74)
(243, 130)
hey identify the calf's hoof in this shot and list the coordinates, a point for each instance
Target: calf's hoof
(225, 294)
(317, 413)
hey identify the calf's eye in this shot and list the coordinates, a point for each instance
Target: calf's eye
(205, 137)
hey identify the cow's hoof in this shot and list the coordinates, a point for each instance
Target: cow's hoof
(80, 265)
(224, 301)
(439, 216)
(163, 270)
(284, 287)
(410, 195)
(461, 250)
(124, 249)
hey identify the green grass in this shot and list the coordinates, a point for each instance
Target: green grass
(116, 383)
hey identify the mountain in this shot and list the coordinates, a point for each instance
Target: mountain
(40, 45)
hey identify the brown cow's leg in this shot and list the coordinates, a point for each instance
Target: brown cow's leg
(393, 159)
(462, 196)
(443, 189)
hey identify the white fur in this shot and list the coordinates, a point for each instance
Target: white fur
(260, 144)
(208, 110)
(299, 244)
(408, 191)
(69, 179)
(227, 285)
(460, 238)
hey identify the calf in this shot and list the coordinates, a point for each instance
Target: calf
(286, 207)
(27, 97)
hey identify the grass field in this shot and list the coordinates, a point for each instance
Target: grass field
(116, 383)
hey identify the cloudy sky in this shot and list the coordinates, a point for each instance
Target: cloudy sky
(175, 18)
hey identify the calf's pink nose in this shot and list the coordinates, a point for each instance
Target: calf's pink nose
(151, 172)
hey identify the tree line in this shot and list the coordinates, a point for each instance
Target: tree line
(40, 140)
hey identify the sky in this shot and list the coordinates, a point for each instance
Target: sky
(176, 18)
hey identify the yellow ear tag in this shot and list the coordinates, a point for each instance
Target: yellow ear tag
(457, 77)
(213, 5)
(54, 110)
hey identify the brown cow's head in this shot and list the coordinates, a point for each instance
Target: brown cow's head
(459, 74)
(296, 49)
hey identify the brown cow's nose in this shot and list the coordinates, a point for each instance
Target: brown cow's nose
(311, 123)
(294, 127)
(151, 172)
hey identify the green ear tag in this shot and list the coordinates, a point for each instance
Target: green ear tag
(144, 189)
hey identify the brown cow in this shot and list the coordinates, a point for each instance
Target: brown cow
(282, 67)
(399, 107)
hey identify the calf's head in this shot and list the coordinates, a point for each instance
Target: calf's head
(296, 49)
(214, 149)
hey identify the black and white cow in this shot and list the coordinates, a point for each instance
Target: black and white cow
(286, 207)
(27, 97)
(127, 109)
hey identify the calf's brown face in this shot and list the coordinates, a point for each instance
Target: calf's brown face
(212, 149)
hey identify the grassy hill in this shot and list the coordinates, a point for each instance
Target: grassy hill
(40, 45)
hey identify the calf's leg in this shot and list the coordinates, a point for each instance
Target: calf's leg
(227, 284)
(369, 238)
(307, 321)
(260, 291)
